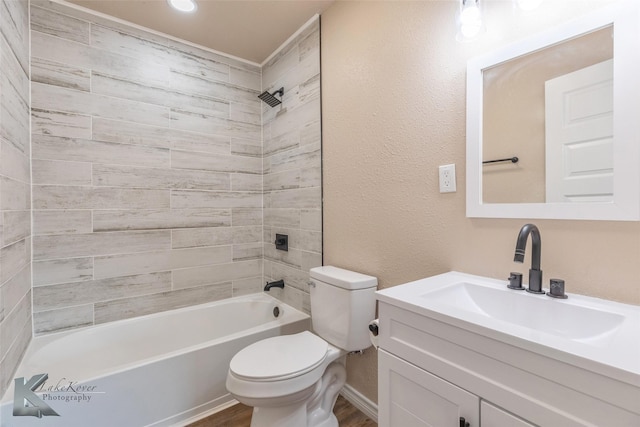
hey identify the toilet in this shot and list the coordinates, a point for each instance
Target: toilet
(294, 380)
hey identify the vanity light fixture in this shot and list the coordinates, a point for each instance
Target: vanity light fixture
(183, 5)
(469, 20)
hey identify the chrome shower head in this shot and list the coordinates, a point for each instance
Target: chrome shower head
(270, 98)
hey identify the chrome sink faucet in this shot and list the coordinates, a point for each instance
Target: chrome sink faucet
(535, 274)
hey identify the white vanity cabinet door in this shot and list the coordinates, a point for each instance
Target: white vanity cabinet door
(412, 397)
(491, 416)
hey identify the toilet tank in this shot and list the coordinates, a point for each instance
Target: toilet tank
(343, 303)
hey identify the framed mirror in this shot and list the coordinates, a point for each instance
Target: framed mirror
(553, 122)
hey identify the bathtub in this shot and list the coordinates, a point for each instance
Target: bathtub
(164, 369)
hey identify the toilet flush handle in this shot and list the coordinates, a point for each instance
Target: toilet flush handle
(311, 283)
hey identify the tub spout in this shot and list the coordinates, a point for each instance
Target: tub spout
(276, 284)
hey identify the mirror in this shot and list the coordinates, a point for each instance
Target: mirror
(516, 121)
(566, 104)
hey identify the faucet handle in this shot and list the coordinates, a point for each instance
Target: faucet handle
(556, 289)
(515, 281)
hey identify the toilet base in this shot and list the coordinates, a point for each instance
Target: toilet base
(287, 416)
(332, 421)
(315, 411)
(320, 406)
(282, 416)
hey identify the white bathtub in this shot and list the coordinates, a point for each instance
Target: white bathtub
(164, 369)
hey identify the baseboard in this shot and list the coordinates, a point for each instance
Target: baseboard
(357, 399)
(198, 413)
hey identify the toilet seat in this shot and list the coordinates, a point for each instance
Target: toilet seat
(279, 358)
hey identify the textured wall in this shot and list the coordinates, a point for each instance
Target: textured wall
(393, 84)
(147, 172)
(15, 190)
(292, 166)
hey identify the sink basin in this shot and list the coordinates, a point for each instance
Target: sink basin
(536, 312)
(582, 330)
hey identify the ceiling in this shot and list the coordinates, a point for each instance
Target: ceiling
(247, 29)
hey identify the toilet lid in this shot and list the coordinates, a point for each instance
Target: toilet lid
(281, 357)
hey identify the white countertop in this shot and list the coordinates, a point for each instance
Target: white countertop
(610, 347)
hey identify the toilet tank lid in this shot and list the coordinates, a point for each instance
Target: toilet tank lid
(343, 278)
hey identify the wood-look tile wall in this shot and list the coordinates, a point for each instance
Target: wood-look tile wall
(15, 188)
(147, 172)
(292, 166)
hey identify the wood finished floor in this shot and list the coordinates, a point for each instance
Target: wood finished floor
(240, 416)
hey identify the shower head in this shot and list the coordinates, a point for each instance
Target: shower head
(270, 98)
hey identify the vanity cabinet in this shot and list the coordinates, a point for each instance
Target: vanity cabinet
(412, 397)
(431, 372)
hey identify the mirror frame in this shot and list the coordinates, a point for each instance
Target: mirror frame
(625, 17)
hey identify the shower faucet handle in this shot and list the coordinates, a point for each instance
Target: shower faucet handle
(282, 242)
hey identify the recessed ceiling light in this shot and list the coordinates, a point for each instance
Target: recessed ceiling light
(183, 5)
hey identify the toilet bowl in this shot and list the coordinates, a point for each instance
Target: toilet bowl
(281, 376)
(294, 380)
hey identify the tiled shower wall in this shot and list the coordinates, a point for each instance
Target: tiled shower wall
(147, 164)
(292, 166)
(15, 188)
(147, 172)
